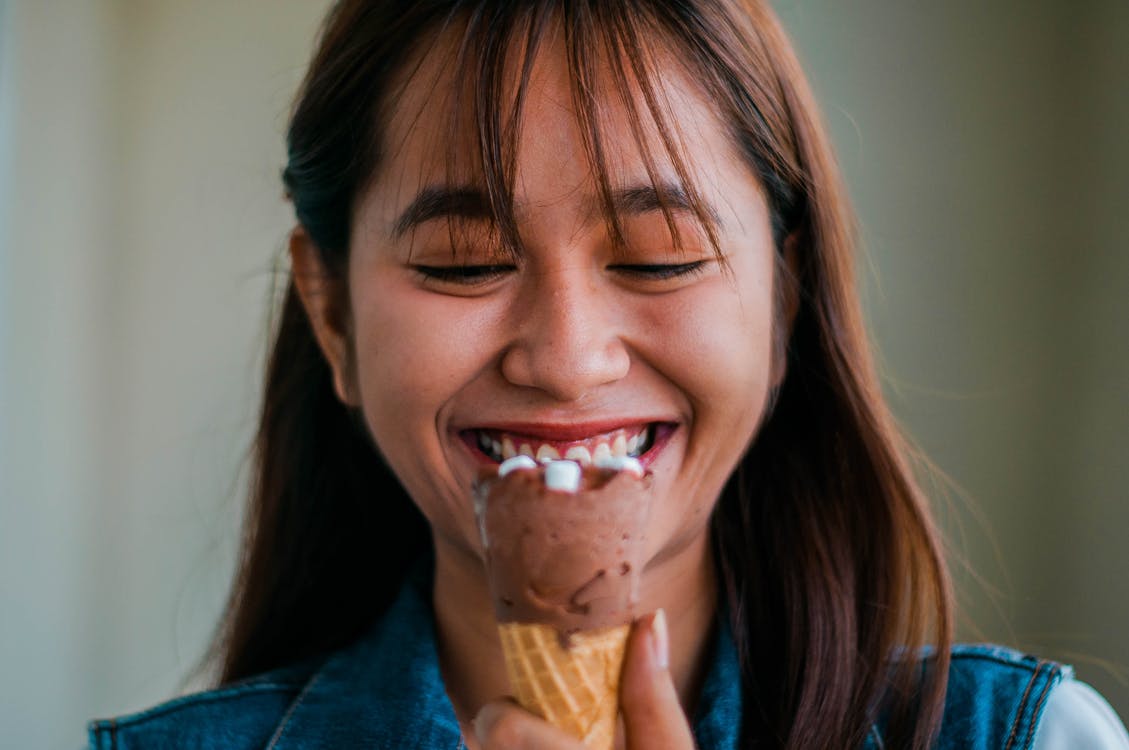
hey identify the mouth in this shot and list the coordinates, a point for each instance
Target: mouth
(636, 441)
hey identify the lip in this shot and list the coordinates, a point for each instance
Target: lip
(561, 432)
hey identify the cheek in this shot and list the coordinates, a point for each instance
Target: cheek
(719, 347)
(414, 353)
(415, 350)
(717, 354)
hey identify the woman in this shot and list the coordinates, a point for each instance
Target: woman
(547, 225)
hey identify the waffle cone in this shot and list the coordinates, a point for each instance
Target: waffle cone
(575, 688)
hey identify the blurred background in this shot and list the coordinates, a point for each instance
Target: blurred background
(986, 147)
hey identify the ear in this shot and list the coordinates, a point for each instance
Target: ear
(325, 299)
(787, 305)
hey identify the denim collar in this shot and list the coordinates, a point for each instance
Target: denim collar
(386, 689)
(383, 691)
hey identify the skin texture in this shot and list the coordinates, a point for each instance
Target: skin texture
(564, 335)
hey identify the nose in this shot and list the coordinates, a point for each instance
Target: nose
(569, 338)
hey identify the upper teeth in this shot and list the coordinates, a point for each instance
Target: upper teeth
(597, 449)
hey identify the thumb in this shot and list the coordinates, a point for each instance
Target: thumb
(652, 715)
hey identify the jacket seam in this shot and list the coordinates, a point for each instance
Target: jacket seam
(103, 734)
(1030, 739)
(290, 711)
(1022, 708)
(998, 660)
(879, 744)
(201, 699)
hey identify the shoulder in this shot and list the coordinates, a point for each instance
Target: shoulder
(243, 714)
(382, 690)
(979, 670)
(1077, 716)
(1001, 698)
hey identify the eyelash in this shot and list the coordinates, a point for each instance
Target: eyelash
(662, 272)
(470, 275)
(466, 275)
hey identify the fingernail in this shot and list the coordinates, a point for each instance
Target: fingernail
(660, 640)
(482, 721)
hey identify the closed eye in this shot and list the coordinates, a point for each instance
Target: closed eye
(466, 275)
(661, 271)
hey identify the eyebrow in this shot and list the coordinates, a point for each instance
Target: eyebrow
(466, 202)
(436, 201)
(642, 199)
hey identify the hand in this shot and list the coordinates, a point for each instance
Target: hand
(652, 715)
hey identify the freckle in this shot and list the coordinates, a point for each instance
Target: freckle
(625, 537)
(554, 536)
(624, 569)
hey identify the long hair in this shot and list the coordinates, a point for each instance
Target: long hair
(830, 569)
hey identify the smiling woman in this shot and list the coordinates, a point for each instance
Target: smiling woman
(583, 230)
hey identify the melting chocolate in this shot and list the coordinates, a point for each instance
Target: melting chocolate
(570, 560)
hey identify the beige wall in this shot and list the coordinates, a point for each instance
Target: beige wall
(140, 212)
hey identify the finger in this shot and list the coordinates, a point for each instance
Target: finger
(504, 725)
(652, 715)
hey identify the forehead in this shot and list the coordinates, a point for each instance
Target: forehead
(436, 119)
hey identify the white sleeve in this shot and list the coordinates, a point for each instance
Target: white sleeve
(1076, 717)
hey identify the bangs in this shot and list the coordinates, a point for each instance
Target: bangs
(612, 51)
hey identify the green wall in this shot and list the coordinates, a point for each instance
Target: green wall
(986, 149)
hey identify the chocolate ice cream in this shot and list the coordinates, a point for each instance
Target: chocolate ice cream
(571, 560)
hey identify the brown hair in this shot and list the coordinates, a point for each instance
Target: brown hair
(831, 570)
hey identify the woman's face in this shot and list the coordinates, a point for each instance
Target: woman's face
(568, 349)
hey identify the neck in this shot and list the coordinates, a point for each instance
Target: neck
(470, 655)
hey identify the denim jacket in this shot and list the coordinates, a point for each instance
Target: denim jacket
(385, 691)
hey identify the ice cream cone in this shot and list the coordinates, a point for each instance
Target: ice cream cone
(564, 560)
(574, 686)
